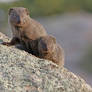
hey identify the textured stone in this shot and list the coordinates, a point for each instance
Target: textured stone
(23, 72)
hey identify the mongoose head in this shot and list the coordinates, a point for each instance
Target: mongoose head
(18, 16)
(47, 44)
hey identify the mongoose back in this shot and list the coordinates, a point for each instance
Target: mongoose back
(49, 49)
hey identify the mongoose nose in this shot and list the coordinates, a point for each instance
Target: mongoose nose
(18, 20)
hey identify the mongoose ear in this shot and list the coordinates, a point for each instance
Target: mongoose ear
(27, 11)
(10, 10)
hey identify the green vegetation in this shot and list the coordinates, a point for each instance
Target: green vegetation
(45, 7)
(50, 7)
(38, 7)
(87, 5)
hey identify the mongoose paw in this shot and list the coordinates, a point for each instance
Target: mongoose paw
(6, 43)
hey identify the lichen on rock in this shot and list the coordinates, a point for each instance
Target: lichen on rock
(23, 72)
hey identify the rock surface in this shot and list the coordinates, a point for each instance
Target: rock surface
(23, 72)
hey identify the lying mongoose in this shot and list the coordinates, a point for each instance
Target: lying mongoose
(49, 49)
(24, 28)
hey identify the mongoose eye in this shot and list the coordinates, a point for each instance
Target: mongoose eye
(13, 14)
(44, 46)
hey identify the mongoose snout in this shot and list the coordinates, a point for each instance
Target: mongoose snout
(18, 20)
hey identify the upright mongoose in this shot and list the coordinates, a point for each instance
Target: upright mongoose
(49, 49)
(32, 35)
(24, 28)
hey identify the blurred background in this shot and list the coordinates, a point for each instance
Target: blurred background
(70, 21)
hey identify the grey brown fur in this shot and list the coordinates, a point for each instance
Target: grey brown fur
(49, 49)
(32, 35)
